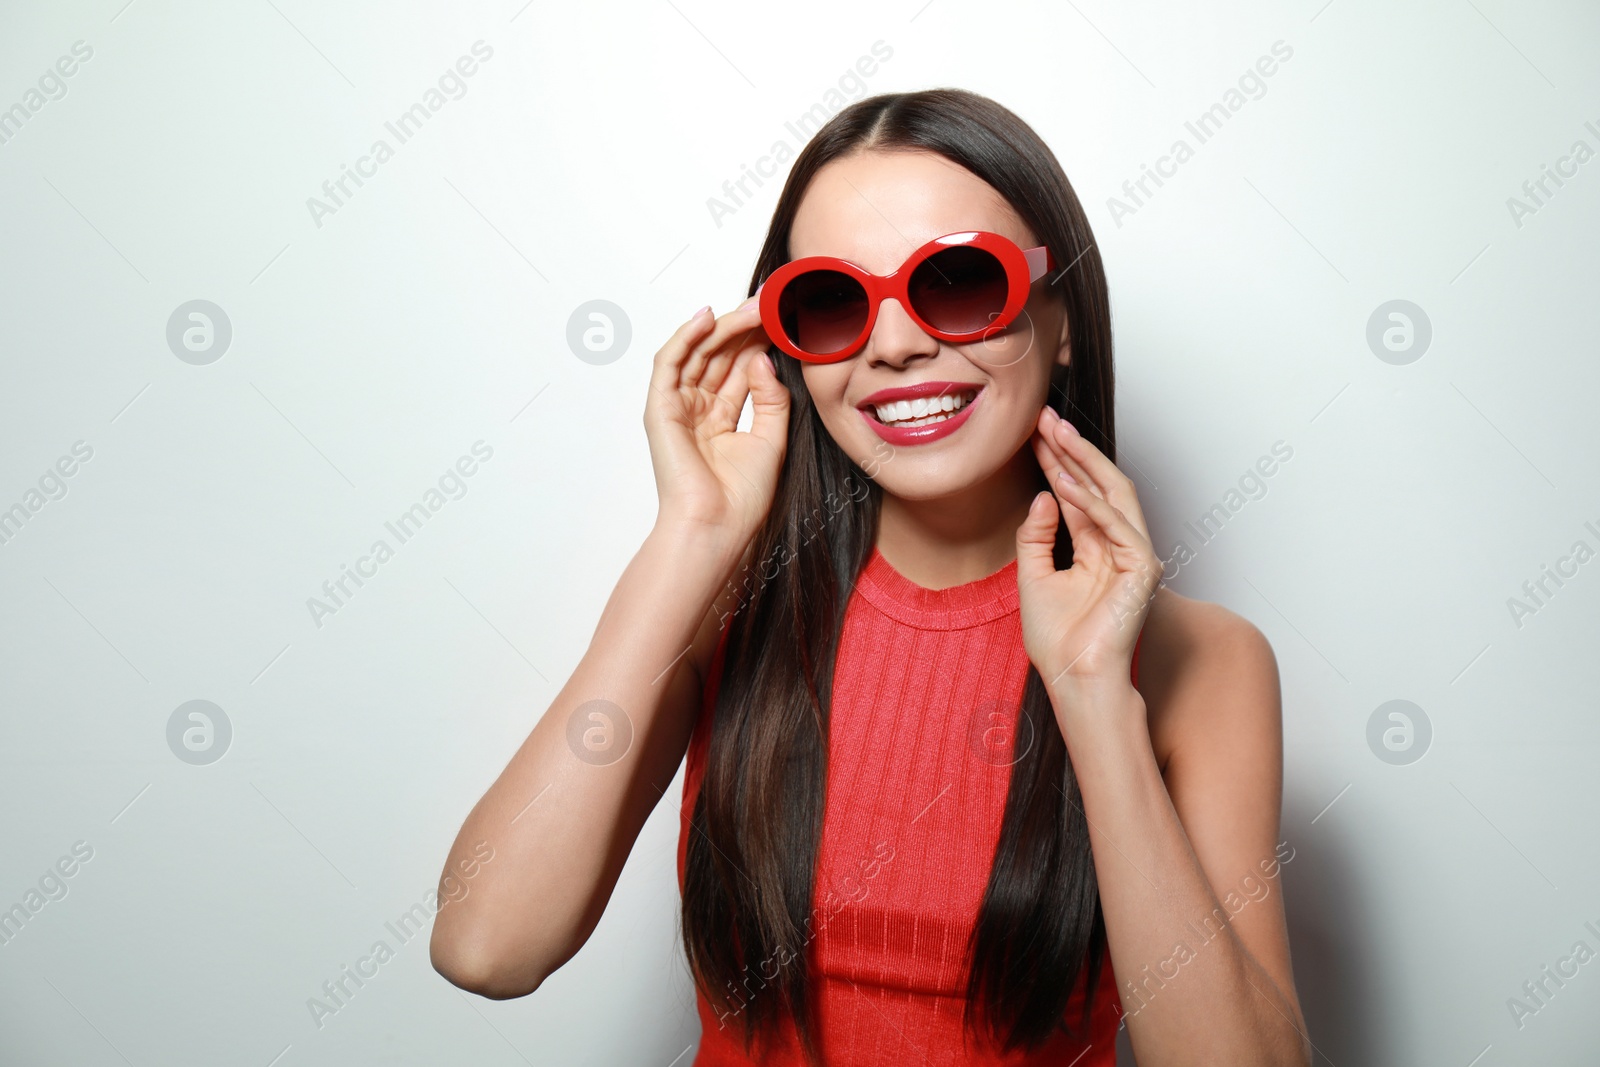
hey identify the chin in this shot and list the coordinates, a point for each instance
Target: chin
(908, 479)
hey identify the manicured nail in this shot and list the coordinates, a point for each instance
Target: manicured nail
(1073, 430)
(1069, 479)
(748, 304)
(702, 311)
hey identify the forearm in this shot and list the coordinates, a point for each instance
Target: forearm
(1191, 990)
(563, 814)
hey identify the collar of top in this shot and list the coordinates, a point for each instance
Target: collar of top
(954, 608)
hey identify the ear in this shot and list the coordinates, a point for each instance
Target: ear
(1064, 342)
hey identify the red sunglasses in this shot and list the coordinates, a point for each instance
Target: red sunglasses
(961, 287)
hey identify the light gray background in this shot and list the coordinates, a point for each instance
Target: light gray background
(431, 311)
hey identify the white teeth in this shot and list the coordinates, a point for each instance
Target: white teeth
(923, 410)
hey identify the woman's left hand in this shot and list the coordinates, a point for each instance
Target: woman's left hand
(1079, 625)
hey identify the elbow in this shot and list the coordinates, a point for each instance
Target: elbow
(470, 964)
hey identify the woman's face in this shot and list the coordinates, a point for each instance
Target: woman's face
(873, 209)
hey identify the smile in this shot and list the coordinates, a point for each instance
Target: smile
(921, 412)
(922, 419)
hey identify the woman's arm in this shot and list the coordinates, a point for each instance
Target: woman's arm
(562, 818)
(563, 815)
(1186, 865)
(1188, 862)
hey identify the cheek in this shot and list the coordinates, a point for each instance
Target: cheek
(1003, 354)
(1025, 343)
(827, 385)
(1015, 397)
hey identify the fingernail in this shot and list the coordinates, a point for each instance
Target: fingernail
(1069, 479)
(748, 304)
(1073, 430)
(702, 311)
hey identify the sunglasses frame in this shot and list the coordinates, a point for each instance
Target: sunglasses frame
(1023, 267)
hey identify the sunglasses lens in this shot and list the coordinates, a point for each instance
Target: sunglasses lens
(959, 290)
(822, 311)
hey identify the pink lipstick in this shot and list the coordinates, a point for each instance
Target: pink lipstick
(912, 423)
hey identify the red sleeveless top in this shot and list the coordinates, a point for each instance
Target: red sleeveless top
(925, 692)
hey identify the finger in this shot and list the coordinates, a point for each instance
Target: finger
(1053, 458)
(1036, 541)
(721, 361)
(667, 371)
(769, 401)
(1056, 433)
(1098, 546)
(1111, 521)
(729, 379)
(745, 317)
(1118, 487)
(1083, 530)
(749, 375)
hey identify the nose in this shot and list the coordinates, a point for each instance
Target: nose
(896, 339)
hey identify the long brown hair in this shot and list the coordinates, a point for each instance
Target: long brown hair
(756, 825)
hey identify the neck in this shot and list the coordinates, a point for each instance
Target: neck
(956, 539)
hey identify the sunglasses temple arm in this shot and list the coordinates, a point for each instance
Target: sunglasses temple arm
(1039, 261)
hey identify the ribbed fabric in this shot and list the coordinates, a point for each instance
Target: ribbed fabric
(918, 770)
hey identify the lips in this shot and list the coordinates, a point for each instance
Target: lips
(916, 391)
(910, 412)
(918, 400)
(913, 403)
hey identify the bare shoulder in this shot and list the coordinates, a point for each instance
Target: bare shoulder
(1204, 670)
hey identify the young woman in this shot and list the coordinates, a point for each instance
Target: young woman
(965, 783)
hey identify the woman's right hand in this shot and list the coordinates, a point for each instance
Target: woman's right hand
(709, 474)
